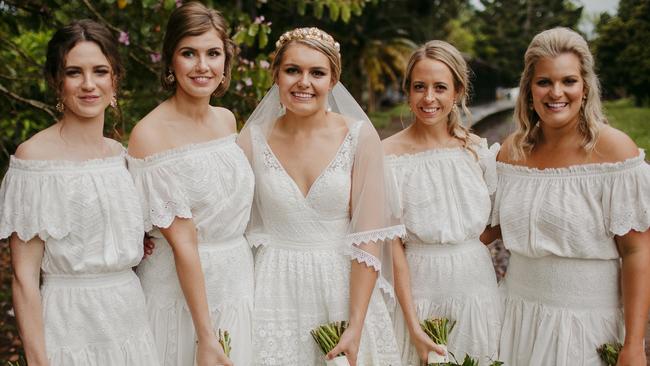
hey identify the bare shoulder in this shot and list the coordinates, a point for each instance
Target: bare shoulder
(396, 144)
(614, 145)
(115, 146)
(226, 118)
(42, 146)
(146, 137)
(505, 150)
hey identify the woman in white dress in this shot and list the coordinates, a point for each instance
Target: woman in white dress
(70, 209)
(573, 203)
(196, 189)
(445, 176)
(320, 213)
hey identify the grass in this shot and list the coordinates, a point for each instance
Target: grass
(382, 119)
(634, 121)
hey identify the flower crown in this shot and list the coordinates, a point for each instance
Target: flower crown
(307, 33)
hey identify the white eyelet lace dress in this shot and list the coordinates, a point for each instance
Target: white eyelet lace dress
(88, 216)
(445, 203)
(562, 285)
(211, 183)
(302, 264)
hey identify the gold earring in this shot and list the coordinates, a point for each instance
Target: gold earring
(60, 107)
(170, 77)
(114, 101)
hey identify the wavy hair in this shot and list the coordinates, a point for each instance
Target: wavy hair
(453, 59)
(552, 43)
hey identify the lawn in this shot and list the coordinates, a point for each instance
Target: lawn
(634, 121)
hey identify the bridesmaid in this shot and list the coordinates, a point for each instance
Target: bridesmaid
(70, 209)
(196, 189)
(445, 177)
(320, 216)
(573, 201)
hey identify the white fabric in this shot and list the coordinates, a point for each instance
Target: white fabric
(302, 269)
(562, 285)
(445, 203)
(212, 183)
(88, 216)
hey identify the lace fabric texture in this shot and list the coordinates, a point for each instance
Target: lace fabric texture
(89, 219)
(444, 200)
(211, 183)
(302, 269)
(559, 225)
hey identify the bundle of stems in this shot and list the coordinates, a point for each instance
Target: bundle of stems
(438, 329)
(224, 340)
(608, 352)
(328, 335)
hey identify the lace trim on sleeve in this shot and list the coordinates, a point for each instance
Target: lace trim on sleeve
(387, 233)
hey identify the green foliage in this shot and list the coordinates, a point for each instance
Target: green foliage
(623, 55)
(327, 336)
(507, 27)
(630, 119)
(608, 352)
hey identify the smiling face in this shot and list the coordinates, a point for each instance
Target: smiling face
(432, 92)
(87, 86)
(198, 64)
(304, 80)
(557, 90)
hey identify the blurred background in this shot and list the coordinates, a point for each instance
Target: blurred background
(376, 38)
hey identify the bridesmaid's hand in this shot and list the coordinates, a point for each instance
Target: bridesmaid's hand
(148, 245)
(348, 344)
(423, 344)
(210, 353)
(632, 356)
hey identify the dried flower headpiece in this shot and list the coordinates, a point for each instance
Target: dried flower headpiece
(307, 33)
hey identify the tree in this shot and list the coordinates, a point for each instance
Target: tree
(623, 56)
(507, 27)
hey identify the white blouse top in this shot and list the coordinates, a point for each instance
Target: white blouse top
(210, 182)
(87, 213)
(572, 212)
(444, 194)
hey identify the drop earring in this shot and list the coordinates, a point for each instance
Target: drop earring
(60, 107)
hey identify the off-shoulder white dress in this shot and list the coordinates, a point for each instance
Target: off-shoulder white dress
(88, 215)
(562, 285)
(212, 183)
(302, 264)
(445, 203)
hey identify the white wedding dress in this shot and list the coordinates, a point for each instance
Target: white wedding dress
(302, 264)
(88, 216)
(563, 281)
(211, 183)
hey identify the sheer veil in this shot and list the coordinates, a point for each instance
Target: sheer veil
(374, 219)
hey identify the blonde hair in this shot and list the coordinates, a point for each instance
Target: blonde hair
(311, 37)
(550, 44)
(452, 58)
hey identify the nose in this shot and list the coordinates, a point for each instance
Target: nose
(304, 80)
(201, 64)
(428, 95)
(88, 82)
(556, 90)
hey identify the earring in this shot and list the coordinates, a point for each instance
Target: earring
(223, 77)
(60, 106)
(114, 101)
(170, 77)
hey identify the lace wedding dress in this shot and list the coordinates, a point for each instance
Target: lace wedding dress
(88, 216)
(211, 183)
(445, 203)
(563, 281)
(302, 265)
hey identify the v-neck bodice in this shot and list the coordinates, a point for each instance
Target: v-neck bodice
(321, 214)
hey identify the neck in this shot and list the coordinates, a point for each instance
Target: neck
(82, 131)
(294, 123)
(430, 135)
(196, 109)
(560, 137)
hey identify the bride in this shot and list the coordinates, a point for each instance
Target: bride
(320, 215)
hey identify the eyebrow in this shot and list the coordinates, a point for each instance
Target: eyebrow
(320, 68)
(219, 48)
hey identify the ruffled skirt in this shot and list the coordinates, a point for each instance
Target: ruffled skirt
(559, 310)
(298, 289)
(457, 282)
(96, 320)
(228, 271)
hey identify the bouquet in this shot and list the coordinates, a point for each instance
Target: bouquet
(608, 352)
(327, 336)
(438, 330)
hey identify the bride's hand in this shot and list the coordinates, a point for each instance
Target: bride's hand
(210, 353)
(348, 344)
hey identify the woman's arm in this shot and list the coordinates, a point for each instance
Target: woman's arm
(634, 248)
(181, 236)
(26, 258)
